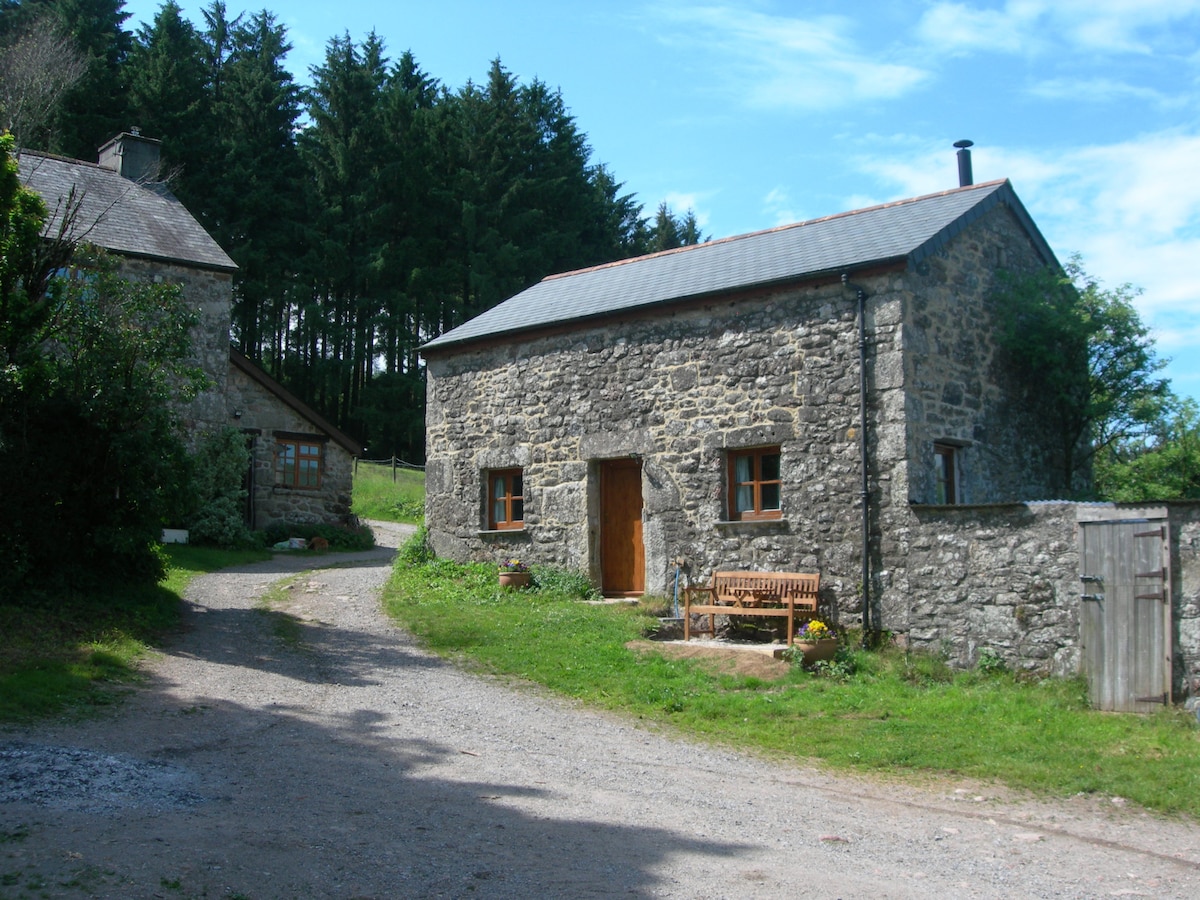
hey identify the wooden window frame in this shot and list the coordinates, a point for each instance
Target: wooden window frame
(759, 486)
(511, 498)
(945, 474)
(290, 469)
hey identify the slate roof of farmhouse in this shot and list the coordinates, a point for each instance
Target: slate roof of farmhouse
(906, 231)
(117, 214)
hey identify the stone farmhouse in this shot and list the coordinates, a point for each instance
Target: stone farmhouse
(301, 465)
(825, 397)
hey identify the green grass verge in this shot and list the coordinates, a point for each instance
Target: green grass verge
(377, 496)
(888, 711)
(74, 651)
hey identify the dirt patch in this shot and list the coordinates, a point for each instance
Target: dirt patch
(720, 660)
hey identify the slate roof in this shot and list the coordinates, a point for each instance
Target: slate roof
(906, 231)
(121, 215)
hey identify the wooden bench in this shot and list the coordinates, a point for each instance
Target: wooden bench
(784, 594)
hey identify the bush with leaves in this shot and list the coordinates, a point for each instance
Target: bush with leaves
(218, 467)
(91, 368)
(1086, 364)
(345, 538)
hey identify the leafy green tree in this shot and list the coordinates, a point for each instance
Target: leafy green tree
(168, 98)
(669, 232)
(1164, 465)
(256, 199)
(1086, 364)
(215, 496)
(89, 446)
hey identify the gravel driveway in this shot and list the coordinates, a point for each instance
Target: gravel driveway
(350, 763)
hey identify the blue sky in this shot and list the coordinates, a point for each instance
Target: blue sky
(756, 113)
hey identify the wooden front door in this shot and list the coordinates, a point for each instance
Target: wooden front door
(622, 555)
(1125, 614)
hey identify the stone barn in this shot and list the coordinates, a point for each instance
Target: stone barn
(787, 400)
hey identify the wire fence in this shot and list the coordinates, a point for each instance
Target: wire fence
(395, 462)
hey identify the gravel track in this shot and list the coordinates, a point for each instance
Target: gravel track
(335, 758)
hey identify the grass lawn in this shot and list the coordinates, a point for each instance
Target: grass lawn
(391, 495)
(74, 651)
(883, 711)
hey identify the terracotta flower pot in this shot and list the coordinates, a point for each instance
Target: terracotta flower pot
(817, 651)
(514, 579)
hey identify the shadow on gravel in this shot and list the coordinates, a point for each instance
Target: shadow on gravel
(282, 807)
(190, 794)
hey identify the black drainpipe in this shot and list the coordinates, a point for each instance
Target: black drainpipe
(869, 623)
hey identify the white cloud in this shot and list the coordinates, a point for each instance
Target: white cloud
(681, 202)
(1030, 26)
(1100, 90)
(785, 62)
(778, 207)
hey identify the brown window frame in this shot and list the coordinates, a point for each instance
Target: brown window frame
(760, 487)
(290, 469)
(512, 501)
(945, 474)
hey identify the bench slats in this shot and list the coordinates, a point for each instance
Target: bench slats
(753, 594)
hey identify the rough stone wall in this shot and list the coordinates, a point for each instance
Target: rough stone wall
(1003, 577)
(1185, 591)
(676, 391)
(210, 295)
(262, 415)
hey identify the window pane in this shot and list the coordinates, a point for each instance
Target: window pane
(498, 511)
(498, 487)
(770, 467)
(770, 496)
(745, 498)
(518, 485)
(308, 473)
(518, 510)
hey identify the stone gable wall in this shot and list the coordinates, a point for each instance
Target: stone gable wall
(266, 414)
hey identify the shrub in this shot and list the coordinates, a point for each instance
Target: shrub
(342, 538)
(217, 469)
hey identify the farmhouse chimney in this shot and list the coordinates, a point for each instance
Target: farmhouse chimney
(965, 177)
(132, 156)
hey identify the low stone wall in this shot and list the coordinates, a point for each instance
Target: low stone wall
(1006, 577)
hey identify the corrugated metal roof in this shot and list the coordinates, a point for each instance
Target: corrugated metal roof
(121, 215)
(906, 230)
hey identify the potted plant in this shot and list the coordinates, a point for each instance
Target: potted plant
(816, 641)
(514, 573)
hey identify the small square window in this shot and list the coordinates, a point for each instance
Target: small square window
(755, 484)
(297, 463)
(506, 500)
(945, 474)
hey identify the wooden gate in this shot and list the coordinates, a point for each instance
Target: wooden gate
(1125, 613)
(622, 554)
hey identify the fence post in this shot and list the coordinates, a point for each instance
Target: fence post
(393, 468)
